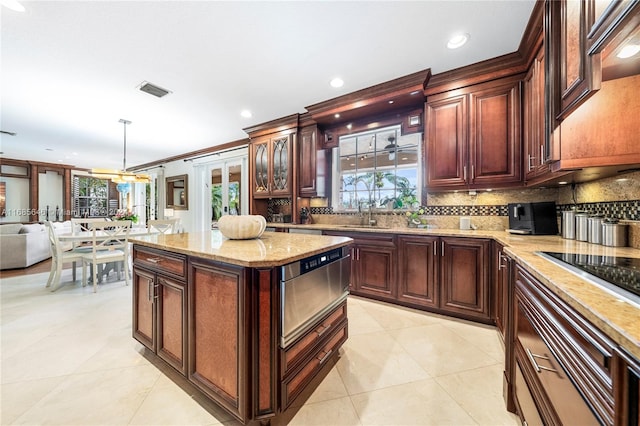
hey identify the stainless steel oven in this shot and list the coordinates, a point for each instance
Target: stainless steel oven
(310, 288)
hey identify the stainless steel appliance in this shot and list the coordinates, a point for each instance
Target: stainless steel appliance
(620, 275)
(310, 288)
(533, 218)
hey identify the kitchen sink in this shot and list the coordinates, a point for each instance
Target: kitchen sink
(365, 226)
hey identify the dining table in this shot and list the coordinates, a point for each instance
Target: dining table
(81, 238)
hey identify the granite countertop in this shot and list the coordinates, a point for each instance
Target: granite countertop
(270, 250)
(616, 317)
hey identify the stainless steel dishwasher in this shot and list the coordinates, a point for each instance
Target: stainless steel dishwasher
(310, 288)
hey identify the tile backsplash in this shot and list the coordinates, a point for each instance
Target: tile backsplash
(617, 197)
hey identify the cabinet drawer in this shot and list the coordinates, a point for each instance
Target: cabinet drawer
(550, 335)
(160, 261)
(292, 386)
(307, 343)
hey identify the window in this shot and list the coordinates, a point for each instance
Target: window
(91, 197)
(379, 168)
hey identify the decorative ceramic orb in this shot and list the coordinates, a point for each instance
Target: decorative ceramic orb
(242, 227)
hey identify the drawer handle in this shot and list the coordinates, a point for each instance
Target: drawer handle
(325, 356)
(323, 330)
(154, 259)
(533, 357)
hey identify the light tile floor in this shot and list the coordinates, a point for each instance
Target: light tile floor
(68, 358)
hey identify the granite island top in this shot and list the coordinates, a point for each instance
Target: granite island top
(270, 250)
(616, 317)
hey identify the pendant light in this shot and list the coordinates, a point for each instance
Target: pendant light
(121, 176)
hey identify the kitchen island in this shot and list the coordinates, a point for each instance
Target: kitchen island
(210, 312)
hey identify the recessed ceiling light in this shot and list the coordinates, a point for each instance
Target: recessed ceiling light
(415, 92)
(458, 40)
(336, 115)
(337, 82)
(13, 5)
(562, 183)
(628, 51)
(349, 126)
(390, 102)
(246, 113)
(489, 189)
(622, 180)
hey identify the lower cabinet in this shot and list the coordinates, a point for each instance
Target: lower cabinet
(219, 326)
(446, 273)
(218, 336)
(160, 314)
(449, 275)
(306, 357)
(562, 363)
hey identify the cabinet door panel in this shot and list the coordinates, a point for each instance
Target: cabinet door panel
(418, 270)
(307, 169)
(280, 174)
(494, 135)
(217, 345)
(376, 271)
(260, 170)
(143, 318)
(464, 277)
(172, 322)
(446, 141)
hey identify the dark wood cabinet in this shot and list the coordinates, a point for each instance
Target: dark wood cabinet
(535, 135)
(561, 360)
(574, 73)
(270, 166)
(160, 305)
(464, 277)
(473, 136)
(443, 274)
(313, 164)
(418, 270)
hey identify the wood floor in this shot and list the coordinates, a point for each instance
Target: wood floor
(44, 266)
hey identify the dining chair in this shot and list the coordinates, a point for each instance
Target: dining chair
(162, 226)
(109, 243)
(59, 256)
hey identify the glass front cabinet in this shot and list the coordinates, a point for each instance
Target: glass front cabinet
(271, 168)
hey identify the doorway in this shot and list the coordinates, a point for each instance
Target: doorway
(228, 189)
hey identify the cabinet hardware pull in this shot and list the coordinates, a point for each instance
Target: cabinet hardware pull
(154, 259)
(464, 173)
(532, 358)
(155, 292)
(149, 290)
(502, 257)
(313, 183)
(529, 163)
(472, 172)
(442, 248)
(324, 330)
(541, 155)
(435, 248)
(325, 356)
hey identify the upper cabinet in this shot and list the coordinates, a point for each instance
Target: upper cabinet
(271, 166)
(313, 165)
(271, 160)
(573, 73)
(473, 136)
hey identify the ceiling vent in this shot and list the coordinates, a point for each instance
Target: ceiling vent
(152, 89)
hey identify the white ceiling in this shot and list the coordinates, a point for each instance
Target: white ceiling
(70, 69)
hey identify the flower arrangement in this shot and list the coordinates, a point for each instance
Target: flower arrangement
(414, 217)
(123, 214)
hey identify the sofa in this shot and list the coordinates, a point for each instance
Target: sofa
(22, 245)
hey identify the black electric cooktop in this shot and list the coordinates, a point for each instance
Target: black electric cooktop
(619, 274)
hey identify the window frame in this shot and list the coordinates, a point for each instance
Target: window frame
(337, 173)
